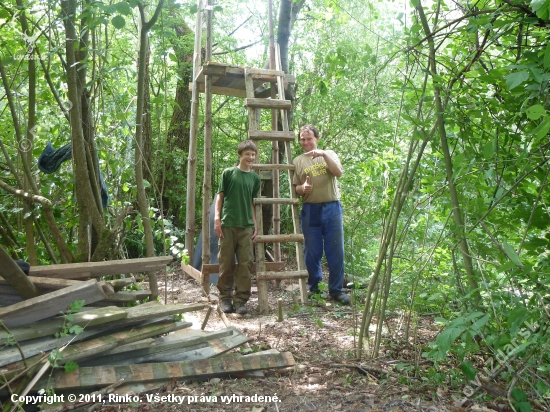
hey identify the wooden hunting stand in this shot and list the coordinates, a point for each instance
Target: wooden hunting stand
(245, 82)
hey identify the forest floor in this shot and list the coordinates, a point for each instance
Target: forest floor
(321, 337)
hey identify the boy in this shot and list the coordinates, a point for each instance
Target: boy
(235, 226)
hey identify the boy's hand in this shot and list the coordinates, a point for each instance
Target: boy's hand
(254, 234)
(218, 228)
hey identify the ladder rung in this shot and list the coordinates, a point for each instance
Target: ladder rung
(292, 237)
(209, 268)
(267, 103)
(271, 135)
(280, 166)
(299, 274)
(265, 72)
(276, 201)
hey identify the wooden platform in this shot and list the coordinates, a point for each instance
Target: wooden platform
(228, 80)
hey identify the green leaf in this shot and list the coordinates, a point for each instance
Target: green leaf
(537, 4)
(536, 111)
(446, 338)
(415, 3)
(76, 329)
(542, 129)
(512, 254)
(76, 306)
(123, 8)
(513, 80)
(319, 323)
(547, 56)
(193, 9)
(70, 366)
(4, 14)
(118, 22)
(146, 184)
(468, 370)
(323, 90)
(488, 150)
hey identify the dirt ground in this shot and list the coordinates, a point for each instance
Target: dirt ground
(326, 376)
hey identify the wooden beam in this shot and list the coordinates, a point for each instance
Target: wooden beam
(44, 284)
(15, 277)
(181, 349)
(91, 377)
(51, 304)
(299, 274)
(202, 278)
(267, 103)
(279, 238)
(105, 268)
(215, 267)
(95, 346)
(53, 325)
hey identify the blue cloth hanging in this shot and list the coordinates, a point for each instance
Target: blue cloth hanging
(51, 159)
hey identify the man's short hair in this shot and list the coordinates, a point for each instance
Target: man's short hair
(311, 128)
(247, 145)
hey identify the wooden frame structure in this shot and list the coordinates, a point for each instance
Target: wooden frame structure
(248, 83)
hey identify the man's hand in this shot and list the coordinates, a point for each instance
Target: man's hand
(218, 228)
(315, 153)
(307, 187)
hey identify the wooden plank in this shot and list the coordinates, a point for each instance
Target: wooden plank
(280, 166)
(45, 284)
(105, 268)
(278, 201)
(119, 284)
(215, 267)
(127, 296)
(299, 274)
(53, 325)
(98, 376)
(271, 135)
(176, 350)
(101, 344)
(202, 278)
(50, 304)
(267, 103)
(279, 238)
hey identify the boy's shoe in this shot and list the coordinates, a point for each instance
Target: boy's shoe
(240, 309)
(226, 306)
(342, 298)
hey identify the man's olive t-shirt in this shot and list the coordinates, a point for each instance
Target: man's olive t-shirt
(324, 183)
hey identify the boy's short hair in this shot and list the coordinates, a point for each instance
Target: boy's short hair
(247, 145)
(311, 128)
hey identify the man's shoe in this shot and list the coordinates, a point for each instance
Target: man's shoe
(240, 309)
(227, 306)
(342, 298)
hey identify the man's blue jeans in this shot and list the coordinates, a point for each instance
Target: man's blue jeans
(322, 228)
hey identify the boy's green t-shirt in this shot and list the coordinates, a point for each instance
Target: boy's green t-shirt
(239, 189)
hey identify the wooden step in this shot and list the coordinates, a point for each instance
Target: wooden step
(276, 201)
(271, 135)
(215, 267)
(279, 238)
(266, 166)
(263, 72)
(267, 103)
(299, 274)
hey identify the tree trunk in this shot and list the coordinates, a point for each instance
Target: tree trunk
(143, 202)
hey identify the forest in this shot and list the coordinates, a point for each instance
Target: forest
(437, 109)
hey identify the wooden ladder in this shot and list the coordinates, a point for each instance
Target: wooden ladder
(254, 106)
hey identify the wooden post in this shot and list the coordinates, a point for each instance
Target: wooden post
(263, 304)
(206, 317)
(193, 129)
(207, 172)
(16, 278)
(280, 309)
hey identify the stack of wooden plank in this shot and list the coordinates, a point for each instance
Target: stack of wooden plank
(126, 349)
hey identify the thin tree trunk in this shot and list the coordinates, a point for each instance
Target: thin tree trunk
(440, 124)
(143, 202)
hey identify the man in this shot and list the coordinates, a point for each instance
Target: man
(321, 215)
(235, 226)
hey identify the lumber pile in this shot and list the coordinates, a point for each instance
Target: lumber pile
(109, 348)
